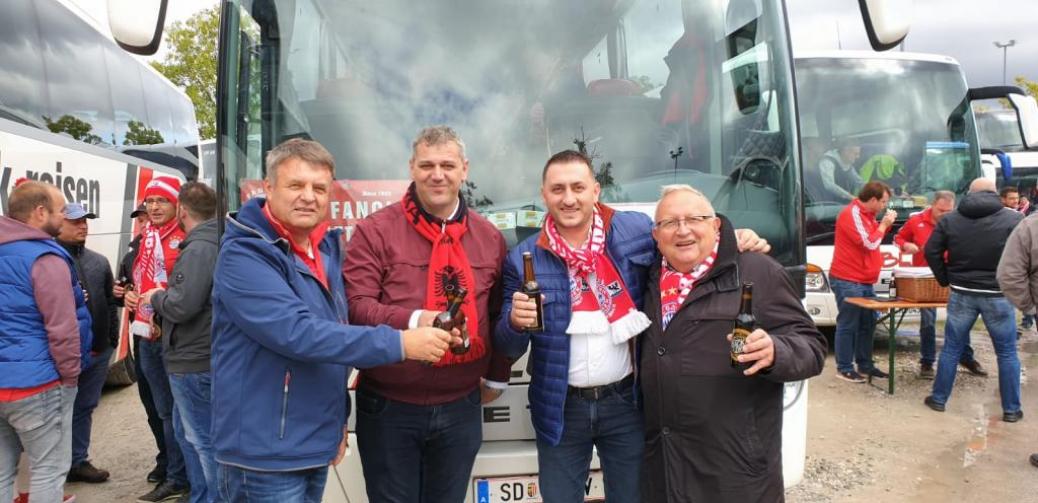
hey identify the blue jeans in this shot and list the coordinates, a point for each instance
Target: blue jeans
(412, 453)
(154, 421)
(251, 486)
(854, 327)
(1000, 321)
(91, 381)
(41, 425)
(613, 425)
(191, 399)
(928, 339)
(158, 382)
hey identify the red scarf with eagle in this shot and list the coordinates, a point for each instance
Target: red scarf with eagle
(149, 271)
(449, 268)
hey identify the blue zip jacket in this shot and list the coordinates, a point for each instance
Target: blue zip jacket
(630, 245)
(25, 359)
(282, 349)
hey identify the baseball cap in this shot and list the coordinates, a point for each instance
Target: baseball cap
(139, 211)
(75, 211)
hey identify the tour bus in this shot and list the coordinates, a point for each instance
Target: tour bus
(70, 99)
(910, 115)
(999, 132)
(656, 92)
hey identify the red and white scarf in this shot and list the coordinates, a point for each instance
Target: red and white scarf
(601, 303)
(675, 286)
(149, 271)
(449, 268)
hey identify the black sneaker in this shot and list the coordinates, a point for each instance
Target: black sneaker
(184, 498)
(926, 371)
(156, 475)
(86, 472)
(929, 401)
(877, 373)
(1012, 417)
(851, 376)
(974, 367)
(165, 491)
(1034, 460)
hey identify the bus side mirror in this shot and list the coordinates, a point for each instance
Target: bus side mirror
(1027, 116)
(137, 24)
(886, 21)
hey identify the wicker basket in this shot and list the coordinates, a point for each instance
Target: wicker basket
(920, 289)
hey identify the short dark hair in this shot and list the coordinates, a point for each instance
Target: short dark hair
(198, 200)
(873, 190)
(564, 157)
(27, 197)
(1009, 189)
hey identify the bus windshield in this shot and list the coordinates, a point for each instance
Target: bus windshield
(656, 92)
(999, 129)
(902, 121)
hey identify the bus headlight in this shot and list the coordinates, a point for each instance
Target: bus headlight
(815, 280)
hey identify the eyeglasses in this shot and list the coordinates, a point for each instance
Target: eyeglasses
(672, 224)
(158, 201)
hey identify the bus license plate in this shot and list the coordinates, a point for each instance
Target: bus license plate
(527, 489)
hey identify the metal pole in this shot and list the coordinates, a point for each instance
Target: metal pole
(1005, 49)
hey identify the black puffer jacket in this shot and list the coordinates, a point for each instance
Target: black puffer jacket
(974, 236)
(95, 273)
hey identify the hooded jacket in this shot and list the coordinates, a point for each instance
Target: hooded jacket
(185, 306)
(974, 236)
(282, 349)
(1018, 268)
(45, 333)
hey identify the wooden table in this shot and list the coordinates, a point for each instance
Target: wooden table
(894, 313)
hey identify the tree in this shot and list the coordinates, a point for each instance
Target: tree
(76, 128)
(1029, 86)
(191, 64)
(139, 134)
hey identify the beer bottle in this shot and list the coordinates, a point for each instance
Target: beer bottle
(453, 318)
(533, 291)
(744, 324)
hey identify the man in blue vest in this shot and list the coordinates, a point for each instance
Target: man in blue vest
(44, 341)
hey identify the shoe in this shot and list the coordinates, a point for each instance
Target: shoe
(1012, 417)
(68, 498)
(974, 367)
(851, 376)
(24, 498)
(929, 401)
(165, 491)
(877, 373)
(158, 474)
(86, 472)
(926, 371)
(1034, 460)
(184, 498)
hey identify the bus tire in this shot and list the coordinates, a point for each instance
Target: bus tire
(122, 373)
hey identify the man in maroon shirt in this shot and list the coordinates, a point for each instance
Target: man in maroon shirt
(419, 426)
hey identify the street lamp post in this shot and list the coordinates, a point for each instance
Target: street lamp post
(1005, 47)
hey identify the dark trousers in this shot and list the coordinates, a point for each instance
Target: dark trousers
(154, 421)
(417, 453)
(91, 381)
(158, 381)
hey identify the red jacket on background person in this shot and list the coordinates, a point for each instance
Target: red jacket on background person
(386, 268)
(856, 256)
(917, 231)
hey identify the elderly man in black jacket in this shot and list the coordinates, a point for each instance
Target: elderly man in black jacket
(185, 308)
(713, 431)
(963, 253)
(95, 273)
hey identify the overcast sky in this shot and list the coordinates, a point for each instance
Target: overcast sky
(963, 29)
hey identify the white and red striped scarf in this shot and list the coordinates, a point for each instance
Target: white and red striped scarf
(149, 271)
(601, 303)
(675, 286)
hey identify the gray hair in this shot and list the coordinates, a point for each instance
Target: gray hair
(298, 148)
(943, 195)
(667, 190)
(437, 135)
(983, 185)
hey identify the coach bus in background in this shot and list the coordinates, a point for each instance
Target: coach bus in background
(1003, 149)
(71, 105)
(909, 118)
(656, 92)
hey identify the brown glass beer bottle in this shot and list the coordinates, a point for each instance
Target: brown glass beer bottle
(744, 324)
(533, 291)
(454, 318)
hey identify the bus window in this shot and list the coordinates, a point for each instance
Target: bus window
(22, 88)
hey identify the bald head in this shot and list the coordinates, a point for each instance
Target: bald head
(982, 185)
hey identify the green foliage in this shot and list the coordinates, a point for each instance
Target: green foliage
(139, 134)
(76, 128)
(191, 64)
(1029, 86)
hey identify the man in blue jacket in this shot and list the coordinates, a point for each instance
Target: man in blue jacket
(281, 346)
(592, 265)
